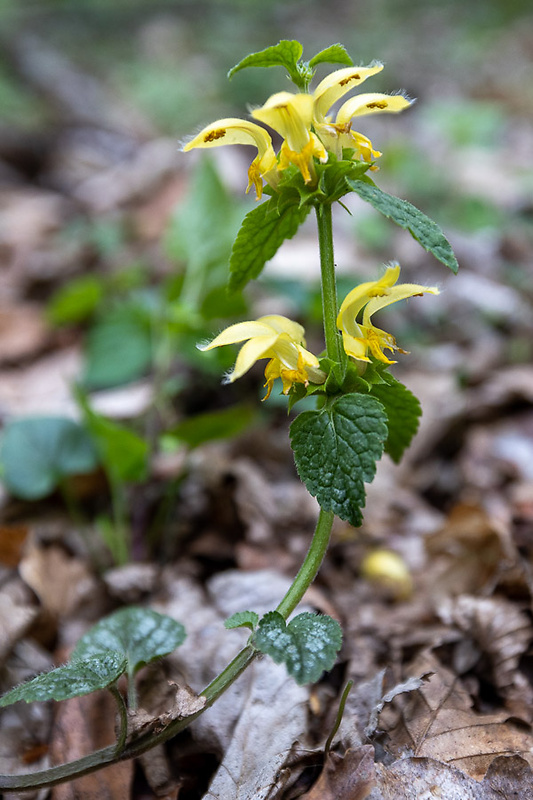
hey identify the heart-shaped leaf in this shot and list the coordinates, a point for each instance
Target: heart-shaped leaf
(308, 645)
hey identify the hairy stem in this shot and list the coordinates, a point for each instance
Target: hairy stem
(329, 287)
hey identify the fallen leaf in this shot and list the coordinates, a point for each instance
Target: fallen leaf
(17, 613)
(437, 721)
(469, 554)
(12, 538)
(82, 725)
(23, 331)
(503, 632)
(182, 702)
(61, 582)
(425, 779)
(345, 777)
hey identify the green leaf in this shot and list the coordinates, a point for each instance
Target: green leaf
(139, 634)
(308, 645)
(37, 453)
(284, 54)
(242, 619)
(123, 454)
(76, 301)
(407, 216)
(204, 226)
(334, 54)
(70, 680)
(119, 350)
(403, 412)
(212, 425)
(263, 231)
(336, 449)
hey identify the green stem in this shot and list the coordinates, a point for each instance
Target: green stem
(123, 715)
(310, 566)
(329, 286)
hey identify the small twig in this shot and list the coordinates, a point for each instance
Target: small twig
(338, 718)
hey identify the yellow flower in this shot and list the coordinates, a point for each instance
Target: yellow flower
(281, 341)
(361, 337)
(241, 131)
(338, 134)
(291, 115)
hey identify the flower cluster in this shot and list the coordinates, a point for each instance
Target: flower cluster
(282, 341)
(307, 128)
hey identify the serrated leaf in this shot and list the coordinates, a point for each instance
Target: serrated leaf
(37, 453)
(242, 619)
(336, 449)
(286, 54)
(262, 232)
(334, 54)
(139, 634)
(70, 680)
(308, 645)
(403, 412)
(407, 216)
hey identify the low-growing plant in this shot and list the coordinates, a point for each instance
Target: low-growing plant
(361, 410)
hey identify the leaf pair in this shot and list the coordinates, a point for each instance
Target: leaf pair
(266, 227)
(123, 642)
(308, 645)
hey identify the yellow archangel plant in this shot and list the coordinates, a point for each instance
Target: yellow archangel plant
(360, 409)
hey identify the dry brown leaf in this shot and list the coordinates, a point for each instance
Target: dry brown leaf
(437, 721)
(182, 702)
(23, 331)
(61, 582)
(469, 554)
(17, 613)
(12, 538)
(503, 632)
(347, 777)
(45, 387)
(425, 779)
(82, 725)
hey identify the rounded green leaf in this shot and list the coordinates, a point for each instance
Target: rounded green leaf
(140, 634)
(308, 645)
(37, 453)
(79, 677)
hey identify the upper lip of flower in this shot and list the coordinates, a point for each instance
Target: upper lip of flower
(359, 337)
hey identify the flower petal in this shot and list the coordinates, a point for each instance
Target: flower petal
(290, 115)
(238, 333)
(364, 104)
(232, 131)
(337, 84)
(396, 293)
(284, 325)
(252, 351)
